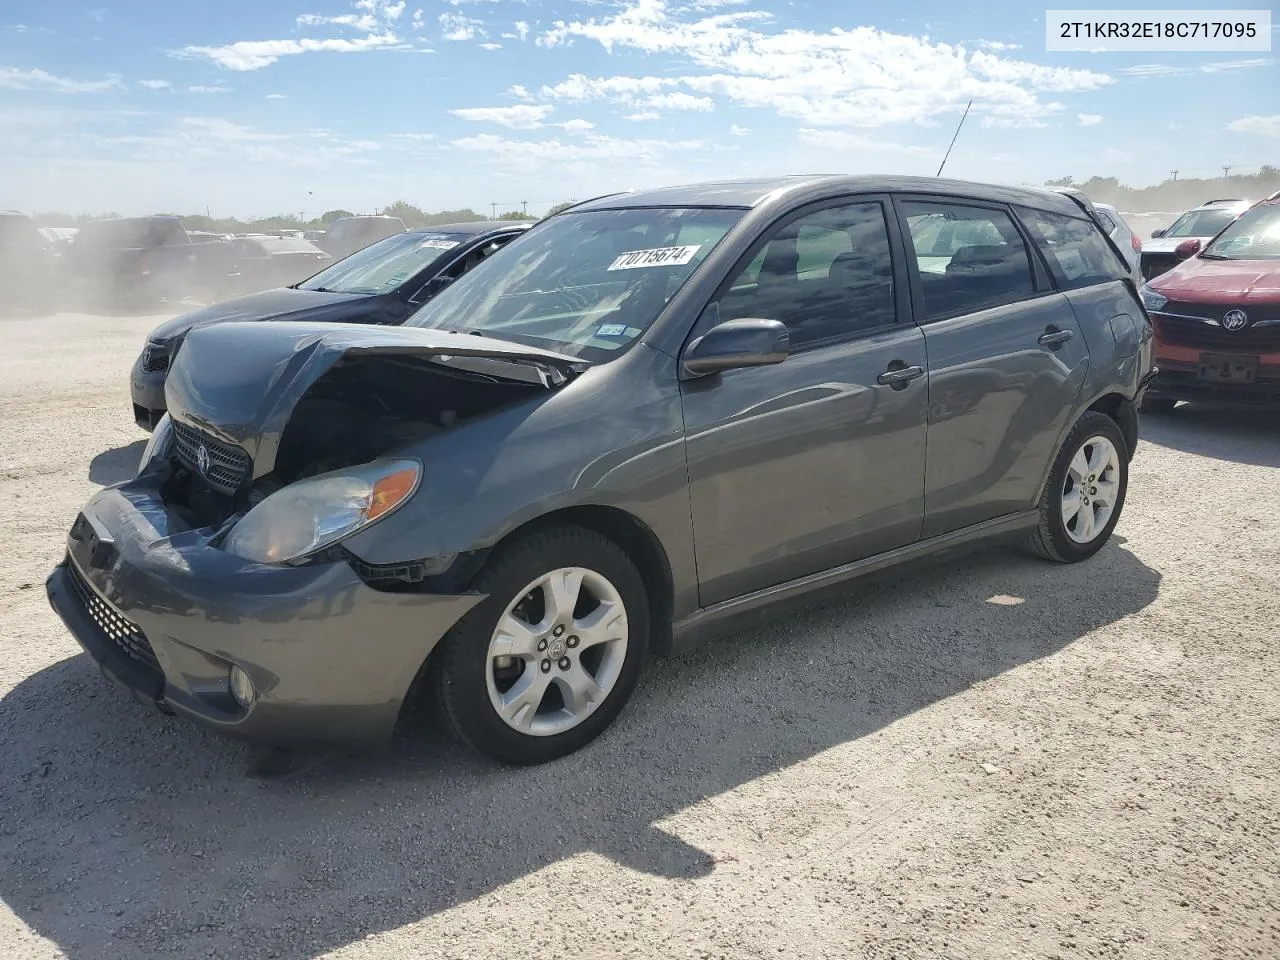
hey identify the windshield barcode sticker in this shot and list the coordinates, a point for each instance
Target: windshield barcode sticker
(439, 244)
(657, 257)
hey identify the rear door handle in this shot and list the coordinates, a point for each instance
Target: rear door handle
(899, 375)
(1054, 338)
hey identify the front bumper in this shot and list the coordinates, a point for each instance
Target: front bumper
(1185, 346)
(166, 615)
(147, 389)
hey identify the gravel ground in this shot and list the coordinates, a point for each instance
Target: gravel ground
(993, 757)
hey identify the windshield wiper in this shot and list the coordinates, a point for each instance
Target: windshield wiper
(1214, 256)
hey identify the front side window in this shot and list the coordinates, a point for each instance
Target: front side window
(1200, 223)
(969, 258)
(384, 266)
(1255, 236)
(827, 275)
(1076, 252)
(585, 284)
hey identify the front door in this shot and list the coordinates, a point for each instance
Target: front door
(819, 460)
(1006, 361)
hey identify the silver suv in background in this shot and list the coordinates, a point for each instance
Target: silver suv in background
(1122, 235)
(1201, 223)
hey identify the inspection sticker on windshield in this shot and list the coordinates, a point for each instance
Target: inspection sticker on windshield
(439, 244)
(657, 257)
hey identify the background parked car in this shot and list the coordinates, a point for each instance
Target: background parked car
(26, 264)
(349, 234)
(1202, 223)
(264, 262)
(1217, 316)
(383, 283)
(1121, 234)
(59, 238)
(135, 261)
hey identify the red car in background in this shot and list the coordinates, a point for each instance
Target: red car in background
(1217, 316)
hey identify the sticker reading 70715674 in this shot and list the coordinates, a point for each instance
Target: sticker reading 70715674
(656, 257)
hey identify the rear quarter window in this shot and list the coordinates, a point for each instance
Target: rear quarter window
(1076, 251)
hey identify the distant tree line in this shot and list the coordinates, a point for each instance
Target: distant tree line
(412, 216)
(1174, 195)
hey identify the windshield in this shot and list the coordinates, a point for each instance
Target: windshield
(584, 284)
(385, 265)
(1255, 236)
(1200, 223)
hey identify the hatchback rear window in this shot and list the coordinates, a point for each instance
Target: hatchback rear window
(1077, 253)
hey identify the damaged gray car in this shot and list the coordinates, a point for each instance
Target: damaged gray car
(657, 415)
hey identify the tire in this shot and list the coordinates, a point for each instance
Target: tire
(1060, 537)
(470, 679)
(1158, 404)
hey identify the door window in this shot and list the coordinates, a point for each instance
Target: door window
(969, 258)
(1077, 254)
(827, 276)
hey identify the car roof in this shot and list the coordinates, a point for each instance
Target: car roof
(755, 191)
(475, 227)
(1224, 204)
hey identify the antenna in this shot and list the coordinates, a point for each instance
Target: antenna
(953, 139)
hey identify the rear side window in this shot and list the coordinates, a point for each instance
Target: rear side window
(1077, 253)
(1108, 224)
(969, 258)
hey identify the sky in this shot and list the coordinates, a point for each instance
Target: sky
(248, 108)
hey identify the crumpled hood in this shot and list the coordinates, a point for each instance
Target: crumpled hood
(1239, 283)
(241, 381)
(285, 303)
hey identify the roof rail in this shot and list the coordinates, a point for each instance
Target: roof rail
(1274, 196)
(1209, 203)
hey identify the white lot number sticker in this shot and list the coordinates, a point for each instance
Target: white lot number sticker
(657, 257)
(439, 244)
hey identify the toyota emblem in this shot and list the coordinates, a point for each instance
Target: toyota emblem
(1234, 320)
(202, 460)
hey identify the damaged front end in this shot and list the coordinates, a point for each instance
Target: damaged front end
(264, 409)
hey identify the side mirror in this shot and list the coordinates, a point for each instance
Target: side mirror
(1157, 234)
(1187, 248)
(748, 342)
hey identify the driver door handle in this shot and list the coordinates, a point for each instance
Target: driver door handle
(1053, 338)
(899, 375)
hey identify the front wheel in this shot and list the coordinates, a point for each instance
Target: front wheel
(547, 661)
(1081, 503)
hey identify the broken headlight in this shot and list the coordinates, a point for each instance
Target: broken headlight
(315, 513)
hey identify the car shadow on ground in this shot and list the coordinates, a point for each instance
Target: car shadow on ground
(1247, 435)
(117, 464)
(126, 834)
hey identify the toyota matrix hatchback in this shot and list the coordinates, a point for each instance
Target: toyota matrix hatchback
(654, 415)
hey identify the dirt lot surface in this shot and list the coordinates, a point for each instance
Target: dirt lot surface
(991, 758)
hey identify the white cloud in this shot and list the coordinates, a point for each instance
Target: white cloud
(365, 21)
(455, 26)
(642, 115)
(216, 88)
(1089, 119)
(856, 77)
(576, 125)
(518, 117)
(155, 84)
(246, 55)
(1229, 66)
(12, 78)
(1144, 70)
(678, 101)
(520, 92)
(490, 46)
(998, 46)
(737, 131)
(844, 140)
(417, 19)
(522, 29)
(592, 147)
(414, 136)
(1263, 126)
(277, 96)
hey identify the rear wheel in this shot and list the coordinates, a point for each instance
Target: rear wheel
(547, 661)
(1082, 501)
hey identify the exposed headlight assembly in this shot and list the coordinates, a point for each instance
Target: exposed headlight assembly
(160, 443)
(318, 512)
(1150, 299)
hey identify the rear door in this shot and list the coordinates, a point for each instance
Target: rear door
(1006, 358)
(819, 460)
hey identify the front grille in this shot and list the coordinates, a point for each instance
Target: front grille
(227, 467)
(1189, 332)
(155, 357)
(122, 632)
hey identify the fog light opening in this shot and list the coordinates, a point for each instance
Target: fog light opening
(241, 687)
